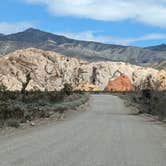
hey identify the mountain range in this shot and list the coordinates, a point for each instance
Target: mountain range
(86, 50)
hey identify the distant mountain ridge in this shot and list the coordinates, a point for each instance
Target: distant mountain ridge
(161, 47)
(87, 50)
(1, 34)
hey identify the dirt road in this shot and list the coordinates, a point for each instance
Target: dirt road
(106, 135)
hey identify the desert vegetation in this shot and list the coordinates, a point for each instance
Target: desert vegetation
(20, 106)
(148, 101)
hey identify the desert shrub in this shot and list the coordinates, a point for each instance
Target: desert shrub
(152, 102)
(7, 112)
(1, 123)
(44, 97)
(35, 96)
(10, 95)
(158, 104)
(28, 105)
(61, 108)
(56, 96)
(146, 95)
(67, 89)
(2, 88)
(73, 97)
(78, 92)
(13, 123)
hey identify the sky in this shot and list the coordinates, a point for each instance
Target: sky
(126, 22)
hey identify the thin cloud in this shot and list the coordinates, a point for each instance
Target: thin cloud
(151, 12)
(8, 28)
(93, 36)
(85, 35)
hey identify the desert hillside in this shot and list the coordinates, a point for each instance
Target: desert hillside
(87, 50)
(35, 69)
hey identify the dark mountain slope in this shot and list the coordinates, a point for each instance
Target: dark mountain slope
(161, 47)
(1, 34)
(91, 51)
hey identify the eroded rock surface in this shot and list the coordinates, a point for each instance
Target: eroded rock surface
(161, 77)
(44, 70)
(87, 87)
(122, 83)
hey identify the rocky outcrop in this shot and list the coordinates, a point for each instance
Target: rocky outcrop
(122, 83)
(47, 70)
(161, 80)
(34, 69)
(87, 87)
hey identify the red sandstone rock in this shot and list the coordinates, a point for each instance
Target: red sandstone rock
(122, 83)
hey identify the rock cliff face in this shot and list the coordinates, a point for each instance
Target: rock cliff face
(38, 69)
(122, 83)
(161, 77)
(34, 69)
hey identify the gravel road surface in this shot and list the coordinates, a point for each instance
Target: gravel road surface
(105, 135)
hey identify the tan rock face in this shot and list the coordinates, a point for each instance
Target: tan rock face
(87, 87)
(45, 70)
(122, 83)
(161, 79)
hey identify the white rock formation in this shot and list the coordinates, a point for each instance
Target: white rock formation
(45, 70)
